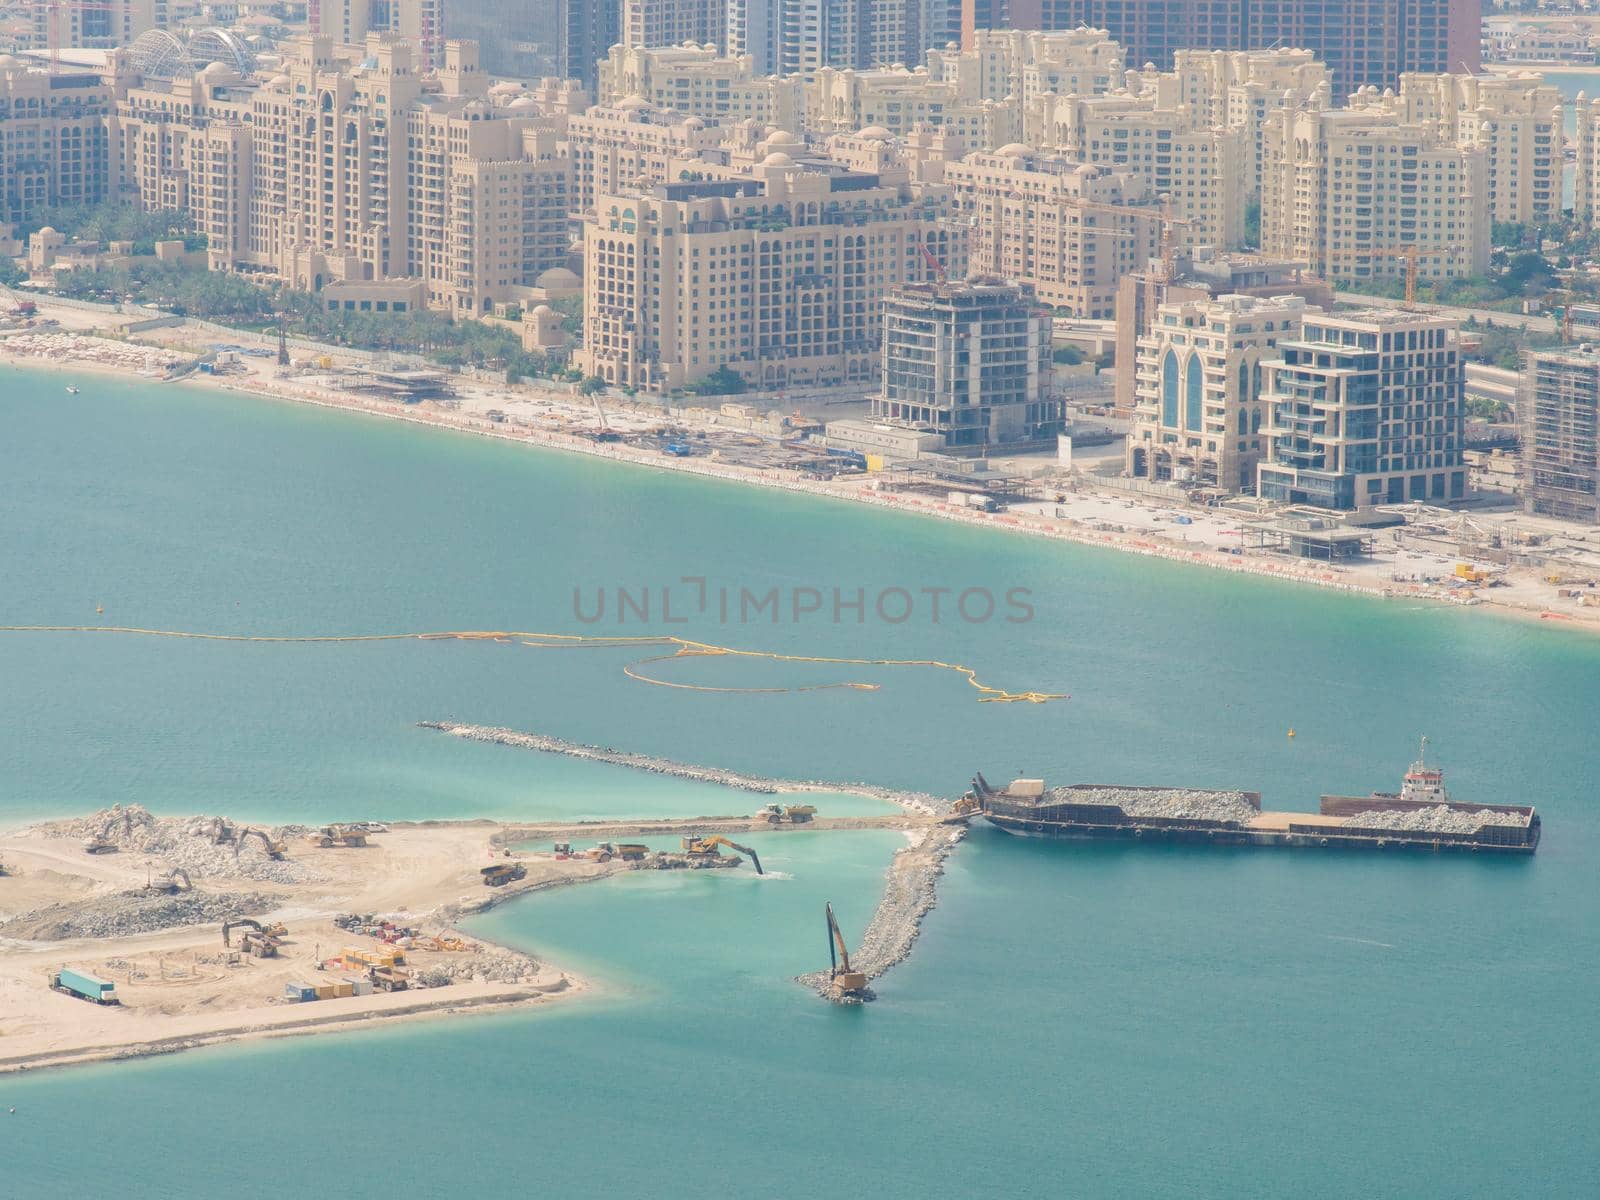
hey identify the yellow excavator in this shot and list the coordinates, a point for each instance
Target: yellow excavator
(846, 982)
(707, 847)
(275, 850)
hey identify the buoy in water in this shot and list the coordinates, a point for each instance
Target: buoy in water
(1291, 733)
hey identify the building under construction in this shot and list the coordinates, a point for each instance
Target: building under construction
(970, 362)
(1559, 409)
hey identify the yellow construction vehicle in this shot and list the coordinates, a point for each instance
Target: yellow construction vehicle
(275, 849)
(336, 835)
(846, 981)
(698, 848)
(795, 814)
(1470, 573)
(627, 851)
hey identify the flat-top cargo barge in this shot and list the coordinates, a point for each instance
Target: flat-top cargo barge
(1421, 816)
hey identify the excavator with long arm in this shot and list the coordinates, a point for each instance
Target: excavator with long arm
(275, 850)
(698, 847)
(846, 982)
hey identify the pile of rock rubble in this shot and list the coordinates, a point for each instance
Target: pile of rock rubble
(123, 916)
(1173, 803)
(1437, 819)
(186, 842)
(490, 966)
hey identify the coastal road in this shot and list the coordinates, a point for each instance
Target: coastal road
(579, 830)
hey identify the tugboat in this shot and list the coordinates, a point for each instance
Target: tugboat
(1424, 784)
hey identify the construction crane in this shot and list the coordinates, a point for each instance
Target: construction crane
(846, 980)
(1411, 251)
(698, 847)
(933, 262)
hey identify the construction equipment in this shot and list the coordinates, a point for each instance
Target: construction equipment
(563, 851)
(389, 979)
(337, 835)
(174, 881)
(1470, 573)
(274, 849)
(795, 814)
(84, 986)
(846, 981)
(503, 873)
(699, 849)
(259, 944)
(99, 845)
(229, 926)
(606, 851)
(934, 264)
(1410, 252)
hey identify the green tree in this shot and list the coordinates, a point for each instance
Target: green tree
(724, 381)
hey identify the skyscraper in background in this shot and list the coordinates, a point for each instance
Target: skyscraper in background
(1362, 41)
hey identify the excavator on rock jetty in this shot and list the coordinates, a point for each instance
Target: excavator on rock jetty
(847, 983)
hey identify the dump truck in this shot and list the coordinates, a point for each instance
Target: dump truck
(389, 979)
(502, 873)
(84, 986)
(330, 836)
(795, 814)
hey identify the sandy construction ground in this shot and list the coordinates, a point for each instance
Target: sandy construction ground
(180, 986)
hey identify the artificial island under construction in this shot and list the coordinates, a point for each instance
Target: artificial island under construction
(128, 933)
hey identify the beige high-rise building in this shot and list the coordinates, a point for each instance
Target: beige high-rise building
(976, 94)
(1586, 148)
(1348, 191)
(779, 276)
(697, 82)
(1201, 273)
(1068, 229)
(101, 25)
(1516, 119)
(53, 142)
(631, 143)
(351, 166)
(648, 24)
(1202, 168)
(351, 22)
(1199, 412)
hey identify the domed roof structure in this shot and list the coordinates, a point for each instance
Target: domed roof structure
(876, 133)
(777, 159)
(557, 279)
(1014, 150)
(161, 54)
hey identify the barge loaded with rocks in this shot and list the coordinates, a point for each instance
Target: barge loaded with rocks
(1421, 816)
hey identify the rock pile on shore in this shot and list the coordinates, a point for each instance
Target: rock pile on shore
(185, 842)
(123, 916)
(490, 966)
(1173, 803)
(1438, 819)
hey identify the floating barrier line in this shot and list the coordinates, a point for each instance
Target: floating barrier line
(685, 648)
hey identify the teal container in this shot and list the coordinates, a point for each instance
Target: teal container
(90, 987)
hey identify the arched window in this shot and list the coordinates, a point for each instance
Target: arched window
(1244, 421)
(1255, 388)
(1244, 382)
(1255, 421)
(1194, 387)
(1169, 389)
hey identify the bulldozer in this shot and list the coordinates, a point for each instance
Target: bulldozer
(795, 814)
(848, 983)
(701, 850)
(274, 849)
(258, 940)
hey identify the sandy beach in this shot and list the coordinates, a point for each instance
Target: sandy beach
(1411, 565)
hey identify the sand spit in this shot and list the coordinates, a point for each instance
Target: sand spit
(918, 802)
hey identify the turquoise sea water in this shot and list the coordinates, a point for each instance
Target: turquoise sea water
(1075, 1021)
